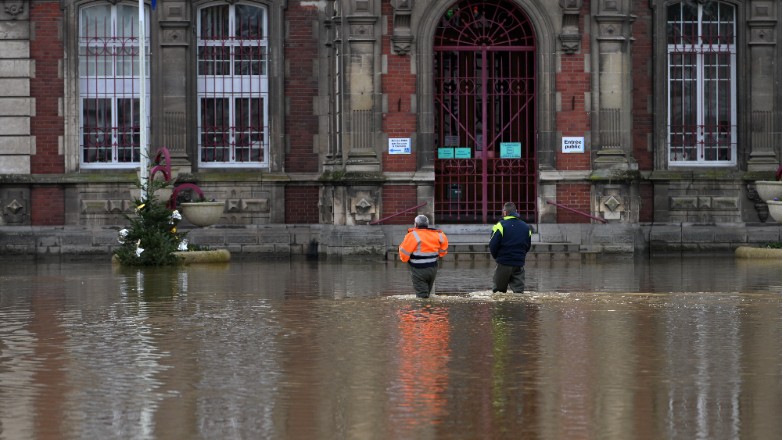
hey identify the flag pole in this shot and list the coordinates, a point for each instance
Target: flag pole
(143, 147)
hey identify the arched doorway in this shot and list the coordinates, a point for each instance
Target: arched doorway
(484, 112)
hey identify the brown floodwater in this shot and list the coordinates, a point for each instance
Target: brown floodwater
(622, 348)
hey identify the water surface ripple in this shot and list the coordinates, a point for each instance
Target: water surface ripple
(621, 348)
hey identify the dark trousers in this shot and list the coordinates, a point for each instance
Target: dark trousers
(423, 280)
(505, 276)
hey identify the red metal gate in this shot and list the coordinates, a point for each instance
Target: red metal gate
(485, 143)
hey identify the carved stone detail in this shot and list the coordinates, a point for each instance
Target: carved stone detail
(174, 36)
(571, 33)
(247, 205)
(14, 10)
(14, 212)
(363, 205)
(402, 37)
(361, 31)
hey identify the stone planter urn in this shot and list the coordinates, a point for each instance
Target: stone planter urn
(202, 213)
(769, 189)
(775, 210)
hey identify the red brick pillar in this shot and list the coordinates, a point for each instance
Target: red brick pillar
(47, 126)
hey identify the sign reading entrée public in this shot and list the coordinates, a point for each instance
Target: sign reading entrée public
(572, 144)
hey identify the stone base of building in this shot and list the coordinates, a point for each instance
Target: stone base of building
(466, 241)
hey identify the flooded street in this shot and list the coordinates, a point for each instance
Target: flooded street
(622, 348)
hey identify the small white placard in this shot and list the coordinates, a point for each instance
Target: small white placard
(398, 145)
(572, 144)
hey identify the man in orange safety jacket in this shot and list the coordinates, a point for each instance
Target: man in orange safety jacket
(422, 248)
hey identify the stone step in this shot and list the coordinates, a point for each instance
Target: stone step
(540, 251)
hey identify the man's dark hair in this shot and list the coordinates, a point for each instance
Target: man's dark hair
(509, 207)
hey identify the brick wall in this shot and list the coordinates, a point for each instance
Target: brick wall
(396, 199)
(301, 204)
(575, 196)
(399, 86)
(46, 87)
(573, 82)
(398, 162)
(46, 48)
(48, 206)
(301, 87)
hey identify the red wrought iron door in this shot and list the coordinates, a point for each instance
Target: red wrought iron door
(485, 143)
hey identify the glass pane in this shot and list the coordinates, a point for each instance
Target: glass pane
(215, 129)
(249, 129)
(95, 42)
(690, 12)
(96, 130)
(126, 54)
(127, 23)
(95, 21)
(249, 22)
(95, 60)
(214, 23)
(673, 27)
(214, 60)
(250, 60)
(710, 10)
(128, 130)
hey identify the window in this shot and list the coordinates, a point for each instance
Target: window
(232, 86)
(109, 130)
(701, 48)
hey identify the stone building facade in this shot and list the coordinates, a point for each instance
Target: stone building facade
(347, 112)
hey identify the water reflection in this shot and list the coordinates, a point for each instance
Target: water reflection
(622, 348)
(417, 394)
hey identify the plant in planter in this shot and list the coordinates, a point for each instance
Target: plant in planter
(152, 237)
(766, 195)
(195, 207)
(770, 189)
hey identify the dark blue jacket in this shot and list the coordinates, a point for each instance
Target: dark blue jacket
(511, 239)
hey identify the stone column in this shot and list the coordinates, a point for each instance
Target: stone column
(612, 96)
(362, 81)
(762, 40)
(352, 197)
(16, 104)
(170, 106)
(17, 107)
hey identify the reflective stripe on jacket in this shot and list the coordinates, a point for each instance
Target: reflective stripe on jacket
(423, 246)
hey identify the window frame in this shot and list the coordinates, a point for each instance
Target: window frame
(111, 87)
(700, 51)
(214, 86)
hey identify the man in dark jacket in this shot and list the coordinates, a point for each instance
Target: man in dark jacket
(511, 239)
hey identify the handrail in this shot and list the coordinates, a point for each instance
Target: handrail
(558, 205)
(398, 213)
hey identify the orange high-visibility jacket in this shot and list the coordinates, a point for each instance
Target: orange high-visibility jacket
(423, 246)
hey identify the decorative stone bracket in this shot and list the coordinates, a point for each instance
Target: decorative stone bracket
(14, 213)
(571, 34)
(363, 207)
(402, 37)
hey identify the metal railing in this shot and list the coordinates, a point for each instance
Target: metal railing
(377, 222)
(576, 211)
